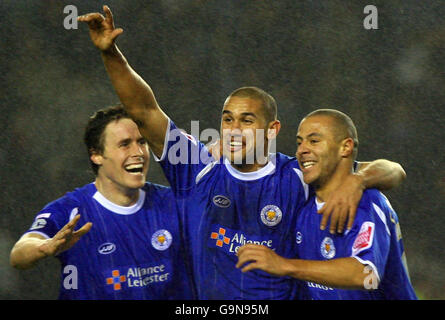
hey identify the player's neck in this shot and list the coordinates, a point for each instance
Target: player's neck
(251, 167)
(333, 182)
(121, 196)
(248, 167)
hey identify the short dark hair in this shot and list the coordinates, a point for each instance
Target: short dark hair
(268, 102)
(344, 128)
(93, 136)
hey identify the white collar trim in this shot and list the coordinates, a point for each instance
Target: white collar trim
(121, 209)
(269, 168)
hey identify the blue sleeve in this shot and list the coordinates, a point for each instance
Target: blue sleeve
(53, 217)
(182, 159)
(369, 239)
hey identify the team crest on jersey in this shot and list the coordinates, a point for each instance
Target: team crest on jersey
(327, 248)
(271, 215)
(161, 240)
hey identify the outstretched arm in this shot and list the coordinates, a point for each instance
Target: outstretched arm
(134, 93)
(345, 273)
(342, 204)
(381, 174)
(33, 247)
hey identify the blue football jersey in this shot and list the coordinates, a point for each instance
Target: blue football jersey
(375, 240)
(131, 252)
(224, 209)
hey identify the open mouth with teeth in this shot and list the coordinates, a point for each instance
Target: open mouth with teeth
(235, 143)
(135, 168)
(307, 164)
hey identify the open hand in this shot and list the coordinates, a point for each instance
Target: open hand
(102, 31)
(65, 238)
(342, 205)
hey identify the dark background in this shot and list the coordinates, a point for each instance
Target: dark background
(307, 54)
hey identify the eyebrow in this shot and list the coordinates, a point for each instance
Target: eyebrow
(313, 134)
(245, 114)
(126, 140)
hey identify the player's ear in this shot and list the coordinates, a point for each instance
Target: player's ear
(96, 157)
(347, 147)
(273, 129)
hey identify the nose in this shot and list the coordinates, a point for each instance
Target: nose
(137, 150)
(301, 149)
(233, 129)
(235, 126)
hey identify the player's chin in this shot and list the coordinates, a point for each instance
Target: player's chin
(136, 182)
(240, 158)
(310, 177)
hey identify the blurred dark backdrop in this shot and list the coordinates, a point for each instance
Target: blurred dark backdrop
(307, 54)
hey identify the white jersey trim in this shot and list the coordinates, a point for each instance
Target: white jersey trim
(204, 171)
(268, 169)
(305, 185)
(369, 263)
(382, 216)
(164, 151)
(120, 209)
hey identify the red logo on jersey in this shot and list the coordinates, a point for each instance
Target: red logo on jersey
(220, 237)
(364, 237)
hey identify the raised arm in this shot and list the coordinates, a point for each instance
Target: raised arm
(134, 93)
(342, 204)
(33, 247)
(345, 273)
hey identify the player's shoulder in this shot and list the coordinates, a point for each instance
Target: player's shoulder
(286, 160)
(288, 166)
(58, 212)
(372, 208)
(369, 195)
(157, 190)
(73, 198)
(373, 197)
(285, 163)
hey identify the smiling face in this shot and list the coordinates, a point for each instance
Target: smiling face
(242, 123)
(319, 149)
(123, 164)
